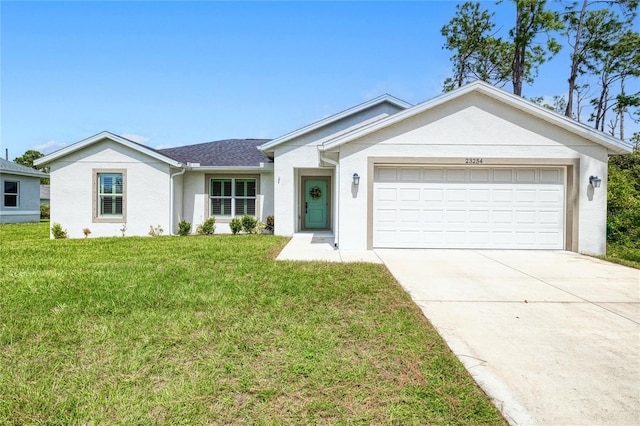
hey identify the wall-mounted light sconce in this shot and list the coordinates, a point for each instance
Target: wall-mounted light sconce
(595, 181)
(356, 179)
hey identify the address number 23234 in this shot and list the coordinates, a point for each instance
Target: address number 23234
(473, 161)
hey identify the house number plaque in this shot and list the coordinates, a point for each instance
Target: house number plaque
(473, 161)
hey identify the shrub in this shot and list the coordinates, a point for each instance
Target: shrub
(271, 223)
(58, 232)
(260, 227)
(45, 211)
(86, 232)
(155, 231)
(208, 227)
(184, 228)
(249, 224)
(623, 199)
(235, 225)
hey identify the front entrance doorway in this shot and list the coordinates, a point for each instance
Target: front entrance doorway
(315, 204)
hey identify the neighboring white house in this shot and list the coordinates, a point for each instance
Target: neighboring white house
(20, 186)
(474, 168)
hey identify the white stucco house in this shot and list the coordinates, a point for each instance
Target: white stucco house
(477, 167)
(20, 187)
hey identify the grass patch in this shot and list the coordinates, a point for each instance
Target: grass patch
(623, 254)
(211, 330)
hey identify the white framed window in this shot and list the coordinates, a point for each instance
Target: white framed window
(232, 197)
(11, 193)
(109, 195)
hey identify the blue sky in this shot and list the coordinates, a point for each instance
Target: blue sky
(177, 73)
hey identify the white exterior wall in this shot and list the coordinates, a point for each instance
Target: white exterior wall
(293, 157)
(461, 130)
(147, 190)
(289, 160)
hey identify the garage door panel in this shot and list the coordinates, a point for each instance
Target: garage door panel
(551, 176)
(409, 194)
(526, 196)
(388, 216)
(408, 237)
(433, 175)
(455, 237)
(387, 194)
(456, 175)
(432, 216)
(409, 217)
(552, 218)
(456, 195)
(502, 195)
(479, 195)
(479, 175)
(458, 208)
(455, 216)
(503, 175)
(479, 216)
(550, 196)
(525, 175)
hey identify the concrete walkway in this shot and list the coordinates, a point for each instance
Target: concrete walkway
(552, 337)
(318, 246)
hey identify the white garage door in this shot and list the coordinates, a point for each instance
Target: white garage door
(482, 207)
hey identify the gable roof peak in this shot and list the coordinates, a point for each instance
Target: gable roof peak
(613, 144)
(113, 137)
(336, 117)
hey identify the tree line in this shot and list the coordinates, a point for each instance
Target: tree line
(604, 55)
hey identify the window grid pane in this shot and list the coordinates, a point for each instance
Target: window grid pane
(10, 187)
(10, 200)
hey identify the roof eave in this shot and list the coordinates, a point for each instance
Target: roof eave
(264, 167)
(25, 173)
(268, 147)
(105, 135)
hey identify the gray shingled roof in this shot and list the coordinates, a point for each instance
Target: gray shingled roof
(11, 167)
(229, 153)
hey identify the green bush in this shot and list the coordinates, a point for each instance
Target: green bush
(235, 225)
(184, 228)
(249, 224)
(45, 211)
(58, 232)
(271, 223)
(208, 227)
(623, 199)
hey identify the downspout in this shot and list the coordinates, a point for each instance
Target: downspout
(336, 227)
(171, 191)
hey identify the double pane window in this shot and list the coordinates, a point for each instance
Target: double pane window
(233, 197)
(110, 194)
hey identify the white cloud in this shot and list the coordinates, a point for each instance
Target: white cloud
(48, 147)
(165, 145)
(136, 138)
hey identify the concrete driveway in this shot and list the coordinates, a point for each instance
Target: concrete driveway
(552, 337)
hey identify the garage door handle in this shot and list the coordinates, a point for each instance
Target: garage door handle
(306, 207)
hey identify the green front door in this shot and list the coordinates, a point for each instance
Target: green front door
(316, 203)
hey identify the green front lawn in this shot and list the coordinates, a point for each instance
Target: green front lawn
(195, 330)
